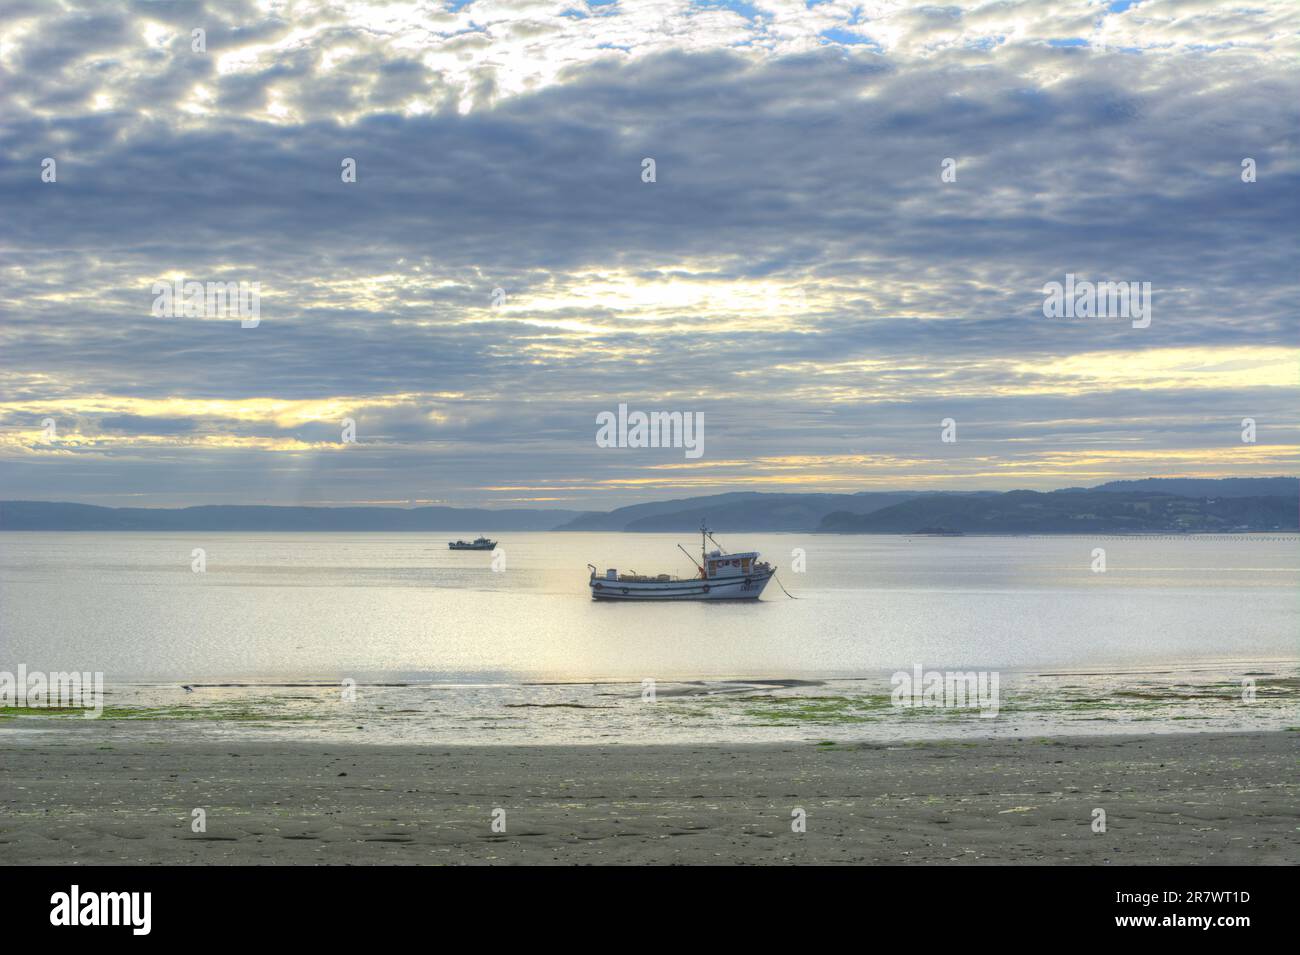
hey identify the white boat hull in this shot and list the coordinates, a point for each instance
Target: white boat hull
(738, 587)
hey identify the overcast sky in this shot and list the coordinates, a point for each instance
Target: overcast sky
(798, 272)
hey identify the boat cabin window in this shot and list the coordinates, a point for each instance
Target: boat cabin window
(713, 567)
(744, 565)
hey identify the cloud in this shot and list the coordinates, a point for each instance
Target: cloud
(799, 271)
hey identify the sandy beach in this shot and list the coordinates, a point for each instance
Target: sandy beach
(1168, 799)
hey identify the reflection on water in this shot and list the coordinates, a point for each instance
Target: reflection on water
(445, 650)
(402, 608)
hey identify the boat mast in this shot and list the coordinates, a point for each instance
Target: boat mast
(698, 567)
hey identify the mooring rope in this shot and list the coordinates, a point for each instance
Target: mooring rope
(782, 586)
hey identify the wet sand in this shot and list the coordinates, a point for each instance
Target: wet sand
(1168, 799)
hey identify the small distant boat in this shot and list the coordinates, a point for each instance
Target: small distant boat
(478, 543)
(722, 576)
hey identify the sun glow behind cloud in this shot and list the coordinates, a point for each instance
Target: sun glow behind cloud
(798, 272)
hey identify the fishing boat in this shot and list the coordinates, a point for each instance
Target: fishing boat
(478, 543)
(721, 576)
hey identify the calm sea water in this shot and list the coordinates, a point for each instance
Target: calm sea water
(402, 609)
(326, 606)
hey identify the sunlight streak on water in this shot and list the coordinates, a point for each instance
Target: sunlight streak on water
(286, 607)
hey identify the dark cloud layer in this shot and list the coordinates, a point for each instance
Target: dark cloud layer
(798, 271)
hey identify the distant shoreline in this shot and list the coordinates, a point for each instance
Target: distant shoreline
(1173, 506)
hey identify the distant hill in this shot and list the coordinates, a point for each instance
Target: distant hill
(773, 512)
(50, 516)
(619, 518)
(744, 511)
(1210, 487)
(1154, 504)
(1074, 512)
